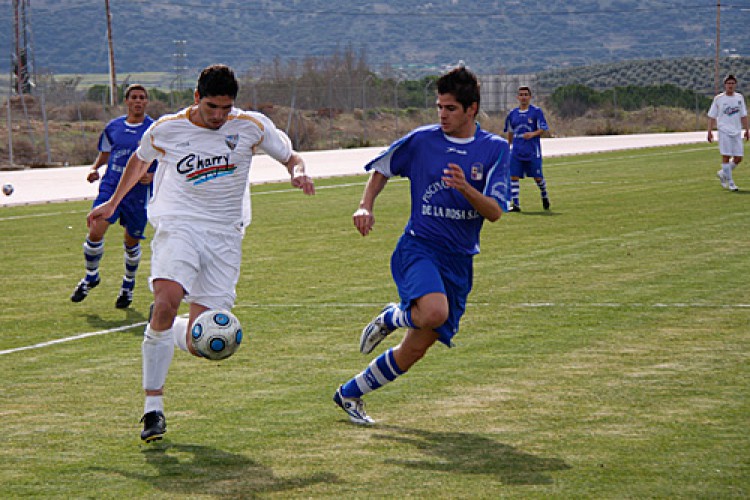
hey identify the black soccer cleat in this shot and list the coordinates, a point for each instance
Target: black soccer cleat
(514, 208)
(82, 290)
(124, 299)
(545, 203)
(154, 426)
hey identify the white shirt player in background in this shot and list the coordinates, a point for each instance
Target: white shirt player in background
(200, 195)
(728, 113)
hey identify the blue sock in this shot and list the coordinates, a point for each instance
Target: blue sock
(542, 187)
(92, 251)
(395, 317)
(515, 190)
(379, 372)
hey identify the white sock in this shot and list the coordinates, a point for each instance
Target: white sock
(179, 328)
(153, 403)
(727, 169)
(732, 165)
(157, 349)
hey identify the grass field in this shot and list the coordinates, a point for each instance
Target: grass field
(604, 354)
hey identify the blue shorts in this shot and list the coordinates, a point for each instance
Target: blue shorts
(420, 268)
(525, 168)
(131, 212)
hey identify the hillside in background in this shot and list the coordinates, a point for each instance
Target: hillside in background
(409, 37)
(688, 73)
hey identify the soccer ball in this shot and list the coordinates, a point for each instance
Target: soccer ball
(8, 189)
(216, 334)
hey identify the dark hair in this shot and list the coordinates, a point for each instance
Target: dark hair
(135, 86)
(730, 77)
(217, 80)
(525, 87)
(462, 83)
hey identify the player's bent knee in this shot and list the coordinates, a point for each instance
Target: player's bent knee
(163, 315)
(433, 317)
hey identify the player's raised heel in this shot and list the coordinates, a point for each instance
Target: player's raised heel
(545, 203)
(354, 407)
(82, 290)
(375, 331)
(154, 426)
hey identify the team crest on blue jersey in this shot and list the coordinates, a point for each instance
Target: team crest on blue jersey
(477, 172)
(232, 141)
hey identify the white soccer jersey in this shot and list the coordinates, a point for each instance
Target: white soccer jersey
(728, 111)
(203, 174)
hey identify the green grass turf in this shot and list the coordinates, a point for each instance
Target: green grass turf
(604, 352)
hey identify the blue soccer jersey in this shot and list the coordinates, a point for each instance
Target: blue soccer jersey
(519, 122)
(120, 139)
(441, 214)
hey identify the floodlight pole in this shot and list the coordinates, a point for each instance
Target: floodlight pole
(718, 43)
(112, 77)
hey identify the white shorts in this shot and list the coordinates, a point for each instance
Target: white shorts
(731, 145)
(205, 261)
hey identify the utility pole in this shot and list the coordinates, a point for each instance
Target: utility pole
(112, 77)
(17, 55)
(180, 62)
(718, 43)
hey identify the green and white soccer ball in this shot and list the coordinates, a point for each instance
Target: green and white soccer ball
(216, 334)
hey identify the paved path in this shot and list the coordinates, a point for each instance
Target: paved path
(69, 183)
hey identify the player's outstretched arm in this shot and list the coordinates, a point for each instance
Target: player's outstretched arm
(363, 218)
(101, 159)
(134, 170)
(296, 167)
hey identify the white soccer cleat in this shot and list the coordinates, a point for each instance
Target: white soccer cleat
(733, 186)
(375, 331)
(354, 407)
(722, 179)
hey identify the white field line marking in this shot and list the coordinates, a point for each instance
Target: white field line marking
(375, 306)
(74, 337)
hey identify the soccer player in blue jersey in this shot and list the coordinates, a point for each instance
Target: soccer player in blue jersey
(524, 126)
(116, 143)
(459, 177)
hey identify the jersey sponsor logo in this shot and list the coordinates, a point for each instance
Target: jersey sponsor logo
(199, 170)
(232, 140)
(732, 110)
(432, 189)
(449, 213)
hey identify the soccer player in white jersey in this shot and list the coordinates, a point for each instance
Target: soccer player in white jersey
(728, 112)
(525, 126)
(200, 195)
(459, 177)
(117, 142)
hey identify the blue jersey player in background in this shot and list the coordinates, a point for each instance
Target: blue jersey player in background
(458, 177)
(116, 143)
(524, 126)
